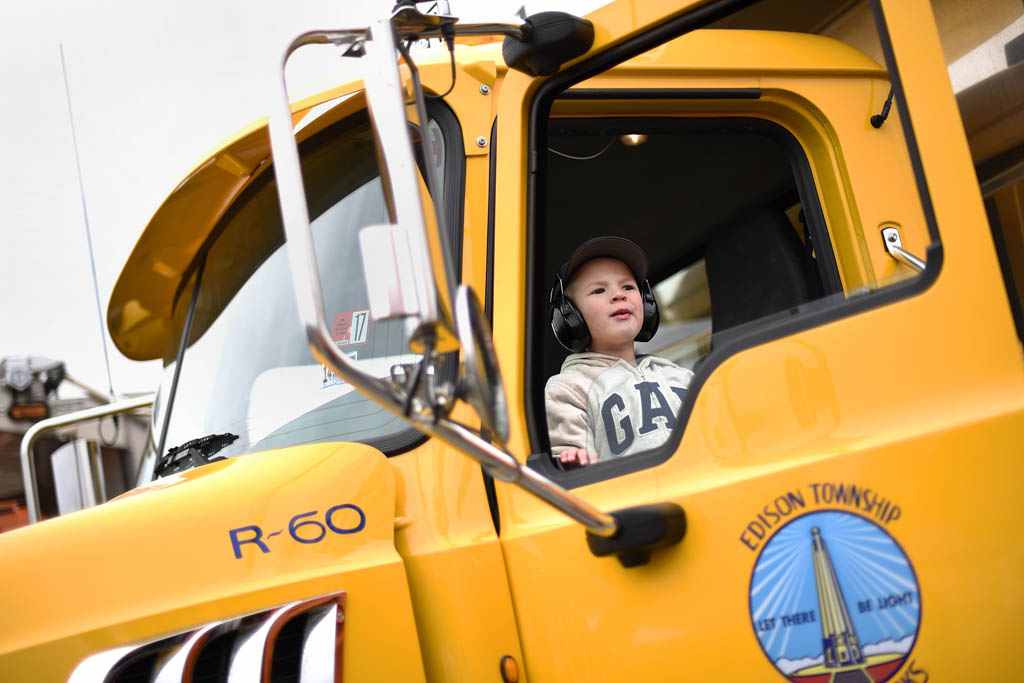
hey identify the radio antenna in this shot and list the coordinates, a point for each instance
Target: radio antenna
(88, 233)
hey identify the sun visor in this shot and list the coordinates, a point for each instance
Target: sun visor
(139, 315)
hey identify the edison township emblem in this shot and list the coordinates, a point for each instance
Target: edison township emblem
(834, 599)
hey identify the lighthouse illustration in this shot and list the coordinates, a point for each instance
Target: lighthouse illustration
(834, 599)
(838, 635)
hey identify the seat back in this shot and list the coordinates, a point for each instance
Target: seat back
(756, 267)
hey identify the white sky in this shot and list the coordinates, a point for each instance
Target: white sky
(154, 86)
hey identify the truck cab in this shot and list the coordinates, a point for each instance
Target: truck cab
(353, 297)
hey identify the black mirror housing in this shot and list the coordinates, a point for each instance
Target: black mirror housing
(556, 38)
(642, 530)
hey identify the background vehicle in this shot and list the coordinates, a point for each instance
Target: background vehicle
(83, 463)
(820, 457)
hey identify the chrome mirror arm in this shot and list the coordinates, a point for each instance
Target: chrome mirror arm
(384, 96)
(501, 465)
(409, 21)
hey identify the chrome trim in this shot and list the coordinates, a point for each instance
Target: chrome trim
(98, 666)
(252, 655)
(482, 385)
(385, 99)
(179, 666)
(894, 246)
(410, 22)
(28, 468)
(320, 651)
(437, 239)
(250, 660)
(518, 30)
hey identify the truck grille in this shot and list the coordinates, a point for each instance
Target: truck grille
(300, 642)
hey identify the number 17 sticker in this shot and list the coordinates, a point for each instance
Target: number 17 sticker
(350, 327)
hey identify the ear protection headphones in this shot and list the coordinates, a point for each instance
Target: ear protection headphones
(567, 322)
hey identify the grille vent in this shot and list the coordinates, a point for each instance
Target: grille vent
(300, 642)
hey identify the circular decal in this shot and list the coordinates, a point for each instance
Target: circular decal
(834, 599)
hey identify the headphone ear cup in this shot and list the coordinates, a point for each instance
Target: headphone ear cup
(567, 322)
(579, 333)
(652, 316)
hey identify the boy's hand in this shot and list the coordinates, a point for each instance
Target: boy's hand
(577, 457)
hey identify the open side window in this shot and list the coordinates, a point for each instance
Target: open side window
(723, 207)
(727, 213)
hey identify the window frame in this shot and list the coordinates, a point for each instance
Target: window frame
(539, 108)
(827, 267)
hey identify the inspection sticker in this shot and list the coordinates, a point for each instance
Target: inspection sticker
(350, 327)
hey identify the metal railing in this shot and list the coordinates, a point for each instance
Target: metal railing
(28, 465)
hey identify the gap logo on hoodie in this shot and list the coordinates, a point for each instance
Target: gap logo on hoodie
(655, 414)
(613, 407)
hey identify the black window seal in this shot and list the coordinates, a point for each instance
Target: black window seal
(540, 108)
(454, 203)
(492, 179)
(662, 94)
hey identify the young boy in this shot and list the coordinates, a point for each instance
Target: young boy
(607, 402)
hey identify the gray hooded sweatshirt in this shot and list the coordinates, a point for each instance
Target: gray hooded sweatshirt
(611, 407)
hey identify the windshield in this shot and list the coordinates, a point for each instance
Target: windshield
(248, 369)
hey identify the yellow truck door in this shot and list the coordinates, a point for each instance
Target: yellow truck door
(846, 456)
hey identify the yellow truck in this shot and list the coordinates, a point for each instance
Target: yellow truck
(352, 297)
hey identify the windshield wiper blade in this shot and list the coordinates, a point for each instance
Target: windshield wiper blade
(193, 453)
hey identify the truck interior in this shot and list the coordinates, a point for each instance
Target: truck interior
(698, 195)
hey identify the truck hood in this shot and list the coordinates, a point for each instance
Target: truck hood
(223, 540)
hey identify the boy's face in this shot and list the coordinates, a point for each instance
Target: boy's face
(606, 293)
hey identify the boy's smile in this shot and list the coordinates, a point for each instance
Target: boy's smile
(606, 293)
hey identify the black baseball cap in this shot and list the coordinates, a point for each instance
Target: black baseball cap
(618, 248)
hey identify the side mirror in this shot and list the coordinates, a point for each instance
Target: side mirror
(418, 283)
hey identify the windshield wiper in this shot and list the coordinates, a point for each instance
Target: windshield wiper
(194, 453)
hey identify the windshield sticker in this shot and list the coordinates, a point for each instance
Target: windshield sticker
(350, 327)
(332, 380)
(833, 597)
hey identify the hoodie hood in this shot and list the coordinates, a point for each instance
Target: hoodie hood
(600, 360)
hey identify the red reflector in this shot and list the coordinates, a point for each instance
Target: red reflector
(509, 669)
